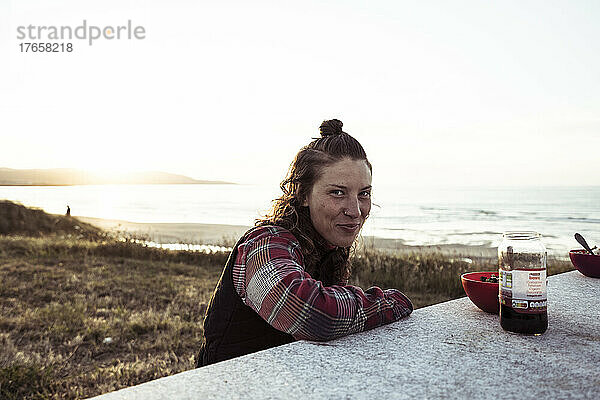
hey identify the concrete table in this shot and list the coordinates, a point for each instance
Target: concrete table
(450, 350)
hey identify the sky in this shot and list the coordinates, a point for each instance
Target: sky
(461, 93)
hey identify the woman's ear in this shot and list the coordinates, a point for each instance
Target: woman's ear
(301, 197)
(304, 202)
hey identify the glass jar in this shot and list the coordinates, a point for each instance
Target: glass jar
(522, 289)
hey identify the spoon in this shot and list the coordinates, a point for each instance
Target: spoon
(582, 242)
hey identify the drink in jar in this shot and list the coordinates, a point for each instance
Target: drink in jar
(522, 287)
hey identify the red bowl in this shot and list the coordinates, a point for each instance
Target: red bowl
(483, 294)
(586, 263)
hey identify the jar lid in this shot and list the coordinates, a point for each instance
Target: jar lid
(521, 235)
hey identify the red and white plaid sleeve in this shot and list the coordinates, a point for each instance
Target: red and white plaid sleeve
(269, 277)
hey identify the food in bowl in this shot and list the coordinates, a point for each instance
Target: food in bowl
(492, 279)
(587, 264)
(482, 290)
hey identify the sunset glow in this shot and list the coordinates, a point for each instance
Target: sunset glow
(438, 93)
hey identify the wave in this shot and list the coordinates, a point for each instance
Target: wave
(486, 212)
(549, 236)
(476, 233)
(584, 220)
(459, 211)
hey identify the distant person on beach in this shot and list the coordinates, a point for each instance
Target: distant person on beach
(68, 214)
(287, 278)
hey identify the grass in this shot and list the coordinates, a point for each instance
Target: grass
(83, 313)
(57, 309)
(18, 219)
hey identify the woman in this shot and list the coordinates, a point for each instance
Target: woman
(286, 278)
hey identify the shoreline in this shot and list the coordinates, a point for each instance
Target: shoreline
(168, 232)
(217, 234)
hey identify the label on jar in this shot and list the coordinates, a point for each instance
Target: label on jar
(524, 290)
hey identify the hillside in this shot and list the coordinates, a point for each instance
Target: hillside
(66, 176)
(16, 219)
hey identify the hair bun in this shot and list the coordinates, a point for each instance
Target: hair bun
(331, 127)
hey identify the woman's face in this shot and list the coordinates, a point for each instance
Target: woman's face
(340, 201)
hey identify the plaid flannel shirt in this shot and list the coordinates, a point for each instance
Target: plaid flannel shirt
(269, 277)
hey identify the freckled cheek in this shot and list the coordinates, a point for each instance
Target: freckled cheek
(365, 209)
(331, 208)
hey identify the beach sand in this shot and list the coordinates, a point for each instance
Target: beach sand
(211, 234)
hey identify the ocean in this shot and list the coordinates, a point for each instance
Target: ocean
(417, 216)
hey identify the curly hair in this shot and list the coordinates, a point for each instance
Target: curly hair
(331, 267)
